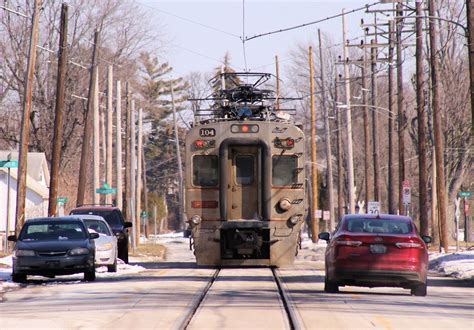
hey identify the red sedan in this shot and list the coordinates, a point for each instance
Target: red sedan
(376, 250)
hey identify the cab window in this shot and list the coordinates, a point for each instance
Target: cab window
(284, 170)
(244, 165)
(205, 171)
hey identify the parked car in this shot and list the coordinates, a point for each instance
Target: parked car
(116, 221)
(53, 246)
(376, 250)
(106, 244)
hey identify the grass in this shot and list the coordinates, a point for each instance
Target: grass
(150, 250)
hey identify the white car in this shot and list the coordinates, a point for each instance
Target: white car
(106, 244)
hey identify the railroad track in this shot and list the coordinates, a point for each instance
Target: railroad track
(257, 283)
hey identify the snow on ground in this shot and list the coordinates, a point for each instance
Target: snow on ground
(459, 265)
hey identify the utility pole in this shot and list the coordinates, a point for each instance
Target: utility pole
(58, 116)
(368, 176)
(118, 143)
(138, 186)
(391, 123)
(350, 160)
(438, 131)
(470, 42)
(145, 195)
(314, 169)
(95, 143)
(375, 120)
(420, 101)
(277, 68)
(86, 139)
(133, 199)
(340, 172)
(400, 109)
(180, 165)
(128, 125)
(108, 169)
(332, 222)
(25, 121)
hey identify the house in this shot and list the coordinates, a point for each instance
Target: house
(37, 188)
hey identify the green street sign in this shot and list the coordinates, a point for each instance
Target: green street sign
(144, 214)
(465, 194)
(61, 200)
(106, 190)
(9, 163)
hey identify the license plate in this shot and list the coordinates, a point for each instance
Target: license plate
(52, 264)
(378, 248)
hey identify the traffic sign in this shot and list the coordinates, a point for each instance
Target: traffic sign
(9, 163)
(465, 194)
(106, 190)
(406, 195)
(373, 208)
(61, 200)
(143, 214)
(406, 184)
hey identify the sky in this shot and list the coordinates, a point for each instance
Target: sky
(201, 32)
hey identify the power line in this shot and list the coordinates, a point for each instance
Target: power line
(314, 22)
(190, 20)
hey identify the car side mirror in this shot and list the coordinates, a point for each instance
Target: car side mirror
(324, 236)
(94, 235)
(426, 239)
(127, 224)
(11, 238)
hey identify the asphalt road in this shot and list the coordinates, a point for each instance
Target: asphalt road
(160, 297)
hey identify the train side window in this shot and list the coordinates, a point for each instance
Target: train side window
(284, 170)
(205, 171)
(244, 165)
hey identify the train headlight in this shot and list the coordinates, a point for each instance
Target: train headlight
(195, 220)
(284, 204)
(294, 220)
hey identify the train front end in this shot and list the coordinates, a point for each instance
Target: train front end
(245, 192)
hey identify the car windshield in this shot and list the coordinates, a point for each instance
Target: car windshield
(112, 217)
(97, 226)
(384, 226)
(53, 231)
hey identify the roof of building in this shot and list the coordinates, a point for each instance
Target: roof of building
(36, 167)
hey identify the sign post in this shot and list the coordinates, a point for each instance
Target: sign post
(465, 195)
(61, 201)
(406, 197)
(9, 164)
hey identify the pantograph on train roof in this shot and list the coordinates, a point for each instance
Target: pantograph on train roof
(242, 96)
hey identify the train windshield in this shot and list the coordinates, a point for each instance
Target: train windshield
(284, 170)
(244, 165)
(205, 171)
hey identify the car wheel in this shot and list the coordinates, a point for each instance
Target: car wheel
(124, 255)
(89, 276)
(19, 278)
(419, 290)
(330, 287)
(112, 268)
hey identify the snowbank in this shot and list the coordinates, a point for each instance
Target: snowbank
(459, 265)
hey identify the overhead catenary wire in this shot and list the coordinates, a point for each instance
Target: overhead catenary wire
(365, 7)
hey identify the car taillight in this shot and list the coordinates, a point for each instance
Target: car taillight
(204, 204)
(348, 243)
(402, 245)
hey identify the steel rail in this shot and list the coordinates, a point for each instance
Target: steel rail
(293, 317)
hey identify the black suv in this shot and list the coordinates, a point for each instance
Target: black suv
(115, 219)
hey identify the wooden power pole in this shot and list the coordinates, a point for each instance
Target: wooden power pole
(470, 42)
(108, 167)
(367, 158)
(391, 124)
(314, 168)
(400, 109)
(118, 144)
(95, 143)
(332, 222)
(421, 112)
(375, 120)
(128, 126)
(438, 131)
(58, 116)
(340, 172)
(180, 164)
(132, 200)
(25, 120)
(86, 137)
(138, 186)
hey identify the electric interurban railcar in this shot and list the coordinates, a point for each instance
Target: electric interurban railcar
(245, 180)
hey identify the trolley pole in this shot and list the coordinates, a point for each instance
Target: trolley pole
(25, 121)
(277, 69)
(58, 116)
(314, 169)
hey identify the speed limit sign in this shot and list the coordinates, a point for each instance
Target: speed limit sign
(406, 192)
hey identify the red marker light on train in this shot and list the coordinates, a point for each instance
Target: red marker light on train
(290, 142)
(245, 128)
(199, 144)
